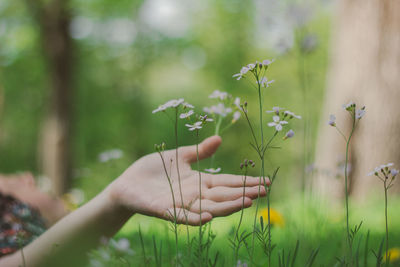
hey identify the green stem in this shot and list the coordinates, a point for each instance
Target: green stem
(217, 132)
(386, 221)
(241, 217)
(198, 169)
(345, 186)
(252, 132)
(174, 205)
(262, 165)
(179, 178)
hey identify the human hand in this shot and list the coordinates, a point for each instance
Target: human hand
(144, 187)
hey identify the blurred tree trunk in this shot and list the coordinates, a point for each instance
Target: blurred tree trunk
(365, 68)
(53, 18)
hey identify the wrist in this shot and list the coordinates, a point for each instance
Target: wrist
(112, 201)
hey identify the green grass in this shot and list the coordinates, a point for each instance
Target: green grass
(308, 220)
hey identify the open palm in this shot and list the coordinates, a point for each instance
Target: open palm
(144, 187)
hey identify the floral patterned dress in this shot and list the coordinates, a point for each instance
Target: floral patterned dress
(19, 224)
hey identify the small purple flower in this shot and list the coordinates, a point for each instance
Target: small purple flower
(332, 120)
(289, 134)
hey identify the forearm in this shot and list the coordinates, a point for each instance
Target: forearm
(72, 237)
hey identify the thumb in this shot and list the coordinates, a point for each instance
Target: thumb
(206, 149)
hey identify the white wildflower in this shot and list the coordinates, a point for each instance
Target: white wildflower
(267, 62)
(205, 118)
(382, 168)
(251, 66)
(349, 106)
(394, 172)
(212, 170)
(275, 110)
(332, 120)
(218, 94)
(110, 154)
(219, 109)
(292, 115)
(170, 104)
(196, 126)
(242, 72)
(237, 102)
(360, 113)
(187, 114)
(374, 172)
(236, 116)
(122, 245)
(386, 166)
(265, 82)
(277, 123)
(187, 105)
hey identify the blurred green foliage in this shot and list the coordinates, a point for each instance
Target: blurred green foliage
(127, 61)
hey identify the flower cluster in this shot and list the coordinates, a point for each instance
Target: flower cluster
(385, 170)
(174, 103)
(226, 105)
(247, 163)
(280, 119)
(253, 67)
(351, 108)
(199, 124)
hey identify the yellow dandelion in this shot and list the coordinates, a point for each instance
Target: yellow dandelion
(394, 254)
(275, 217)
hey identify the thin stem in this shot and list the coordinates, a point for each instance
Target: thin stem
(174, 205)
(217, 132)
(251, 129)
(341, 133)
(386, 221)
(345, 185)
(179, 177)
(269, 142)
(241, 217)
(200, 197)
(262, 176)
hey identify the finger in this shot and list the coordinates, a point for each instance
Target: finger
(221, 208)
(230, 180)
(222, 193)
(206, 149)
(184, 216)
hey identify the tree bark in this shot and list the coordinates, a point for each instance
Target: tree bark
(365, 68)
(53, 18)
